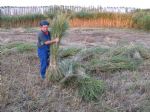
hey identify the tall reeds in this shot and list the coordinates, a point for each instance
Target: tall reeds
(30, 20)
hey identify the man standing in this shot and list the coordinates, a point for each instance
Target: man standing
(44, 42)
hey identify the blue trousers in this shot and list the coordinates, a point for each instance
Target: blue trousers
(44, 55)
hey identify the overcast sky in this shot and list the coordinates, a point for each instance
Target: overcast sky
(103, 3)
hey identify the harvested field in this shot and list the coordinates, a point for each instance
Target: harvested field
(22, 91)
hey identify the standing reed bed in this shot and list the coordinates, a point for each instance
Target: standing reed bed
(138, 19)
(30, 20)
(80, 19)
(117, 20)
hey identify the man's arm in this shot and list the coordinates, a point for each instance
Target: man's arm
(45, 41)
(52, 41)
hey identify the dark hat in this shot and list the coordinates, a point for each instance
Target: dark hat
(44, 22)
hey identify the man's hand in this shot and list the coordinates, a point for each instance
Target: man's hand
(57, 40)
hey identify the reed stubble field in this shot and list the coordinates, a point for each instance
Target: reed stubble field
(22, 91)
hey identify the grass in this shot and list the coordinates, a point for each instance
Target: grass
(96, 61)
(113, 64)
(74, 77)
(90, 89)
(88, 54)
(145, 107)
(18, 47)
(118, 58)
(68, 52)
(75, 63)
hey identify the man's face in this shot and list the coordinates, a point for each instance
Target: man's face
(44, 28)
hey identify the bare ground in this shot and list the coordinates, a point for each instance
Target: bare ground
(22, 91)
(82, 36)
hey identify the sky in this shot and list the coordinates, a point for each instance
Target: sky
(104, 3)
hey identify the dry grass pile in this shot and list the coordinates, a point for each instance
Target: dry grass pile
(96, 60)
(68, 52)
(75, 64)
(87, 87)
(126, 57)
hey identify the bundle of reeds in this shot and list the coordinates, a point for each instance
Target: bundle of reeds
(58, 27)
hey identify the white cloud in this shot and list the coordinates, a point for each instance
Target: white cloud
(104, 3)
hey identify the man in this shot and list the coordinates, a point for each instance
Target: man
(44, 42)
